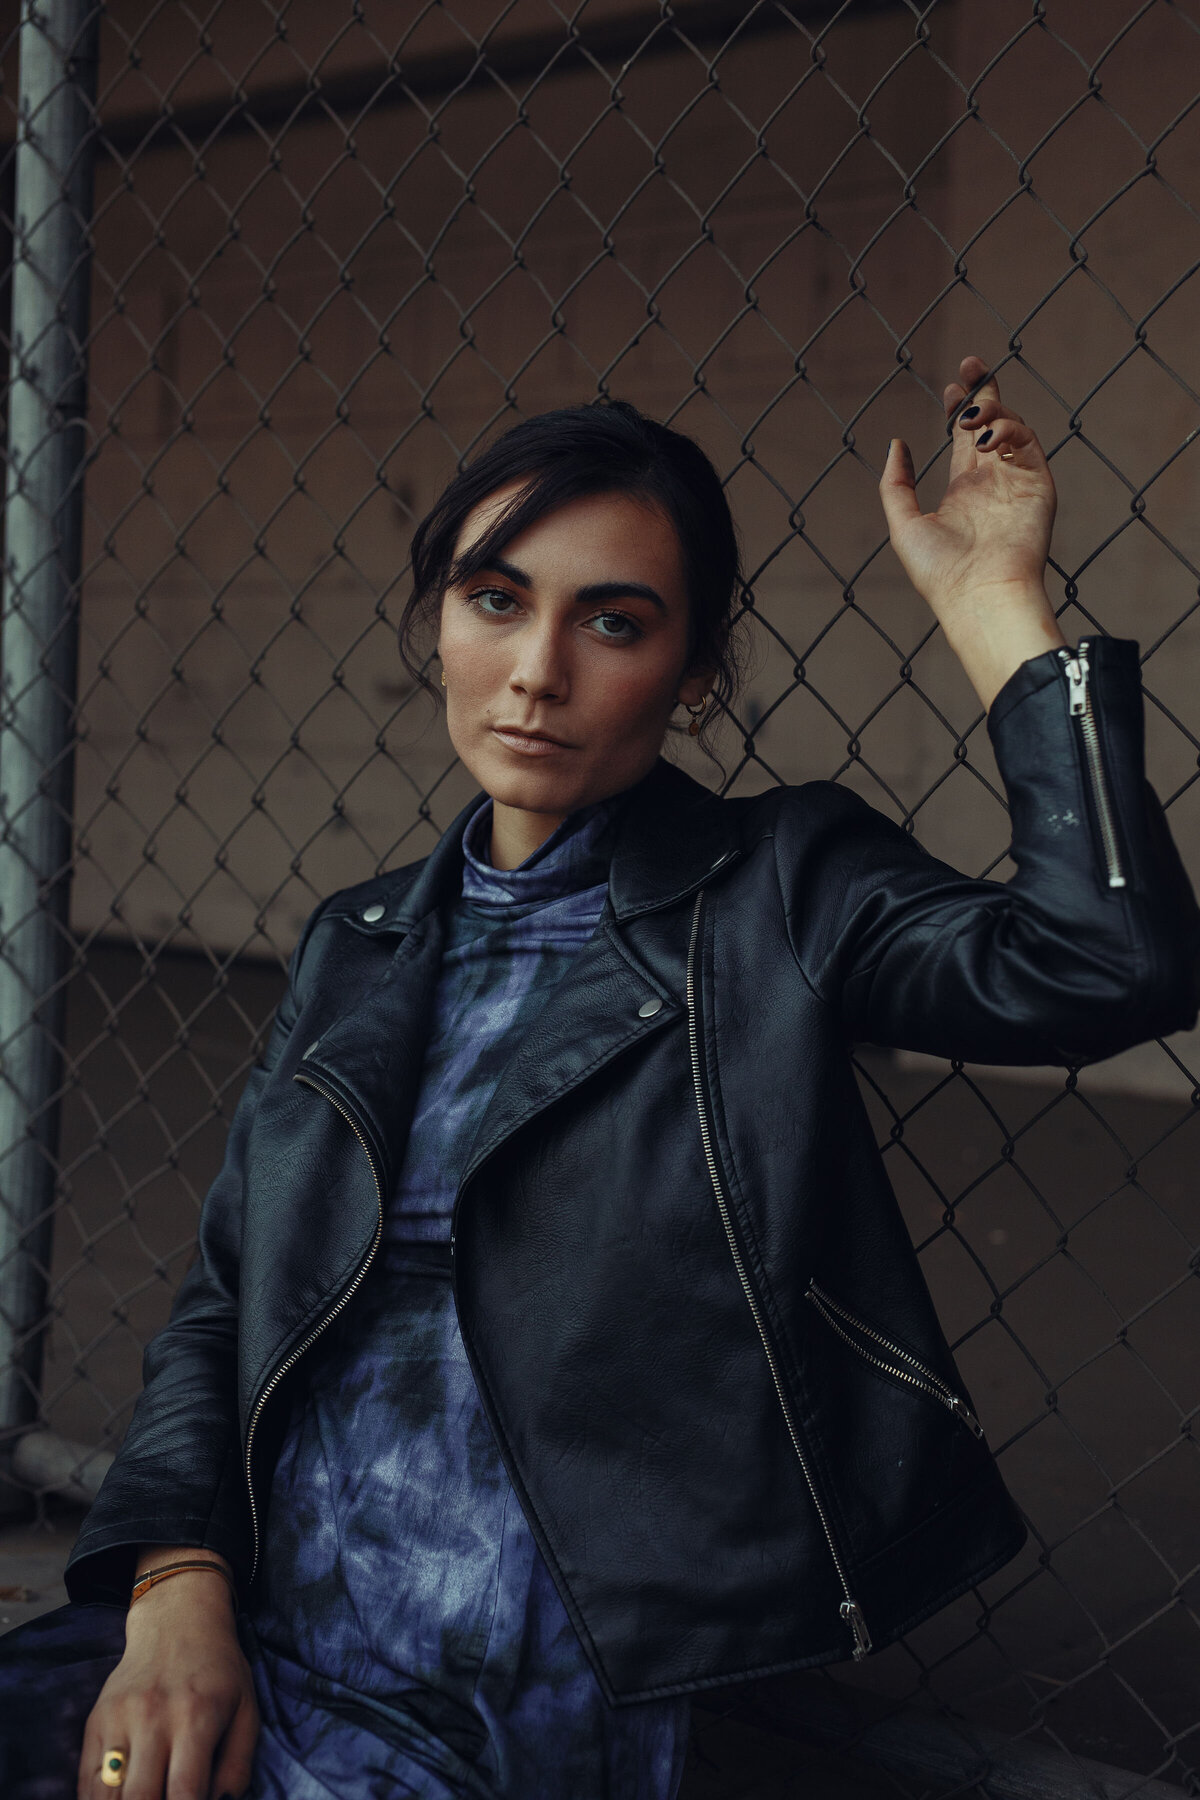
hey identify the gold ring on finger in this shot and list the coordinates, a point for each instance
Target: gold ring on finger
(112, 1768)
(1007, 455)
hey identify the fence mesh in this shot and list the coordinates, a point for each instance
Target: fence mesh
(334, 249)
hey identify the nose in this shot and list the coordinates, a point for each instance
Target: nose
(540, 665)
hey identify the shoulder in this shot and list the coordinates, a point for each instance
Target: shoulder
(811, 810)
(381, 890)
(827, 833)
(349, 906)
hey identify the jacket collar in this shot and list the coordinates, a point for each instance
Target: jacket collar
(672, 835)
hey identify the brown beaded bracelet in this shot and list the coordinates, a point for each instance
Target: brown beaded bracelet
(153, 1576)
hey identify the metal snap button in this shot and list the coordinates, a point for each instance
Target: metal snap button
(648, 1008)
(373, 915)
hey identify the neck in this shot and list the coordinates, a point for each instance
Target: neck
(516, 834)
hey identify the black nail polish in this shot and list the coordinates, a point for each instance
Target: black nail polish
(972, 412)
(984, 439)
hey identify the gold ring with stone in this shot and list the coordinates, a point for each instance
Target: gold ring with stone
(112, 1768)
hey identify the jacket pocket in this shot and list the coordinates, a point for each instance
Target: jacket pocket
(887, 1357)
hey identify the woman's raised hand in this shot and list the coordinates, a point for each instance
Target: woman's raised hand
(980, 559)
(180, 1704)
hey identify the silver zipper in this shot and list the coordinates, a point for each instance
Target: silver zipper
(1079, 697)
(924, 1378)
(348, 1294)
(849, 1610)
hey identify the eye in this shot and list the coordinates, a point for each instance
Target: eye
(631, 629)
(477, 599)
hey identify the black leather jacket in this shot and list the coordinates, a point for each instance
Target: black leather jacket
(690, 1303)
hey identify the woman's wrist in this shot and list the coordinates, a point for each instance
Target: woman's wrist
(155, 1556)
(994, 631)
(205, 1582)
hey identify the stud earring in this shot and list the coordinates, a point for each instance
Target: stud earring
(695, 715)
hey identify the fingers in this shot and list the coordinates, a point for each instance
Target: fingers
(147, 1766)
(898, 487)
(974, 386)
(975, 380)
(101, 1735)
(1011, 441)
(170, 1754)
(145, 1771)
(235, 1759)
(89, 1758)
(983, 426)
(189, 1775)
(974, 393)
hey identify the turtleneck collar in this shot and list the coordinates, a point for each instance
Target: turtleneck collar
(574, 857)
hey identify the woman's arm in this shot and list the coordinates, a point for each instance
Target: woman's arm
(980, 559)
(180, 1703)
(1094, 944)
(178, 1478)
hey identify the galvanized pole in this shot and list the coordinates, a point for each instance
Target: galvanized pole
(43, 518)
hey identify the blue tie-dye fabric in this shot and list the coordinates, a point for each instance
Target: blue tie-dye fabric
(408, 1638)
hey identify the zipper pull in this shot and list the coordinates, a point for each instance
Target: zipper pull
(964, 1412)
(1076, 669)
(851, 1611)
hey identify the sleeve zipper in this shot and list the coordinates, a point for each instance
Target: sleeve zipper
(1077, 670)
(849, 1610)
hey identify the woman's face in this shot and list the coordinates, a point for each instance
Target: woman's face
(578, 631)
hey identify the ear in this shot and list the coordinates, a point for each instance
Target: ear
(693, 688)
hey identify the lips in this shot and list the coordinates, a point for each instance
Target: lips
(544, 737)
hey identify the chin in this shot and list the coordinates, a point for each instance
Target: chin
(534, 789)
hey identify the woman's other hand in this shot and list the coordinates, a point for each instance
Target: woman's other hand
(980, 559)
(180, 1703)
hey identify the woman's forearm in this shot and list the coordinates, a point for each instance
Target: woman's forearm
(181, 1699)
(992, 631)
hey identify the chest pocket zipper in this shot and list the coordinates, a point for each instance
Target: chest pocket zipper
(903, 1365)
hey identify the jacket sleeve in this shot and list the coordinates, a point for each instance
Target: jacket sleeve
(178, 1478)
(1058, 965)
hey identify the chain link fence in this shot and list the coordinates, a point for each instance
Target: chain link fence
(332, 249)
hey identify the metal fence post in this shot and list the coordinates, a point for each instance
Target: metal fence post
(38, 640)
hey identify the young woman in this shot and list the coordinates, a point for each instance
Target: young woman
(554, 1349)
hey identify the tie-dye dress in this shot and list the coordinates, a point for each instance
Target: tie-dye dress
(408, 1638)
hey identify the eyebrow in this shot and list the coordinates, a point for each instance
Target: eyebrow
(589, 595)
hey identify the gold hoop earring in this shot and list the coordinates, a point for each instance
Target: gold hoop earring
(443, 677)
(695, 716)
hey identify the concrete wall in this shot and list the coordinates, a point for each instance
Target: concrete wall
(294, 342)
(291, 351)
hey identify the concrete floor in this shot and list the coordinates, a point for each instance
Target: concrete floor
(1060, 1234)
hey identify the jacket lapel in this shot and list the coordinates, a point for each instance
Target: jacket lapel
(371, 1058)
(629, 980)
(673, 835)
(606, 1002)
